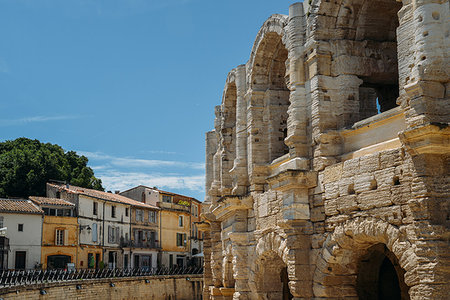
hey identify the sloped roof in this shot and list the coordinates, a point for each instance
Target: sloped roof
(50, 201)
(162, 192)
(21, 206)
(101, 195)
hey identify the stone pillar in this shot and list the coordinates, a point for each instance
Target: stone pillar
(211, 149)
(239, 171)
(214, 191)
(297, 139)
(257, 143)
(207, 274)
(216, 255)
(241, 242)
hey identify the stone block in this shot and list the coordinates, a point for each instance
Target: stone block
(370, 199)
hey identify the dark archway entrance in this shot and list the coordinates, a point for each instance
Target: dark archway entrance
(57, 261)
(380, 277)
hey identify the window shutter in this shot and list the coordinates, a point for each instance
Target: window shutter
(109, 234)
(117, 235)
(66, 237)
(56, 237)
(184, 239)
(94, 232)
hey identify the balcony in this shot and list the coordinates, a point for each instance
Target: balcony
(145, 244)
(374, 134)
(173, 206)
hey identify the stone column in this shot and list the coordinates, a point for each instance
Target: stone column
(211, 149)
(239, 171)
(241, 242)
(216, 260)
(296, 139)
(214, 191)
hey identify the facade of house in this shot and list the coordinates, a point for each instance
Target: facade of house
(104, 222)
(144, 236)
(22, 221)
(196, 246)
(176, 218)
(59, 233)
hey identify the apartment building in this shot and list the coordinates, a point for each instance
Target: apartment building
(21, 221)
(59, 233)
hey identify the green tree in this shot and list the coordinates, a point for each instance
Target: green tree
(27, 165)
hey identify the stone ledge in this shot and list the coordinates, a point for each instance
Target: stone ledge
(428, 139)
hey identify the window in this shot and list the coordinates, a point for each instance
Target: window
(181, 239)
(180, 221)
(113, 211)
(94, 232)
(59, 212)
(196, 210)
(20, 227)
(139, 215)
(167, 198)
(113, 235)
(58, 194)
(1, 222)
(67, 212)
(152, 216)
(95, 209)
(46, 211)
(59, 240)
(52, 212)
(126, 212)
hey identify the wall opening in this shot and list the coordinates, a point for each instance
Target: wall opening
(269, 76)
(376, 27)
(380, 275)
(272, 278)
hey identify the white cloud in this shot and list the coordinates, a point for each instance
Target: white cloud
(118, 180)
(139, 163)
(35, 119)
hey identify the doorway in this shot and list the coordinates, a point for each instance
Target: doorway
(20, 260)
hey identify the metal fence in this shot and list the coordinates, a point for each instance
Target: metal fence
(10, 278)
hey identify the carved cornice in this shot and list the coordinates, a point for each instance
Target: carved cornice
(226, 205)
(428, 139)
(292, 179)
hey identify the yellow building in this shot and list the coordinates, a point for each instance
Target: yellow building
(175, 223)
(59, 233)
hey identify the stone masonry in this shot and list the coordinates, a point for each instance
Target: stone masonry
(327, 172)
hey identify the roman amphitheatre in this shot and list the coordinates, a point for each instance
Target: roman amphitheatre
(327, 172)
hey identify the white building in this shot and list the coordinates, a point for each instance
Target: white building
(23, 222)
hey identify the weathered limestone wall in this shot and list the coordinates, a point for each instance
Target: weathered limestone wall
(340, 186)
(179, 287)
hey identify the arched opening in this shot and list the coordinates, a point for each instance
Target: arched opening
(58, 261)
(272, 279)
(228, 278)
(377, 25)
(380, 276)
(269, 77)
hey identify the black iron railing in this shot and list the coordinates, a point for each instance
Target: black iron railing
(10, 278)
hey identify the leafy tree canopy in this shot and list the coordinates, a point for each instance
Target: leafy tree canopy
(27, 165)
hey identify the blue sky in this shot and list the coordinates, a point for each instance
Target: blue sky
(130, 84)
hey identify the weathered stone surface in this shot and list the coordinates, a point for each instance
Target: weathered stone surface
(332, 188)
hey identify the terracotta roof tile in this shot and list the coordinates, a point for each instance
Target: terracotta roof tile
(22, 206)
(102, 195)
(50, 201)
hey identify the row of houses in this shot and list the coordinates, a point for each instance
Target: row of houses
(142, 227)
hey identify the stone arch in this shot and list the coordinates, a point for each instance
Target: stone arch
(270, 279)
(228, 132)
(228, 276)
(362, 37)
(339, 263)
(268, 96)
